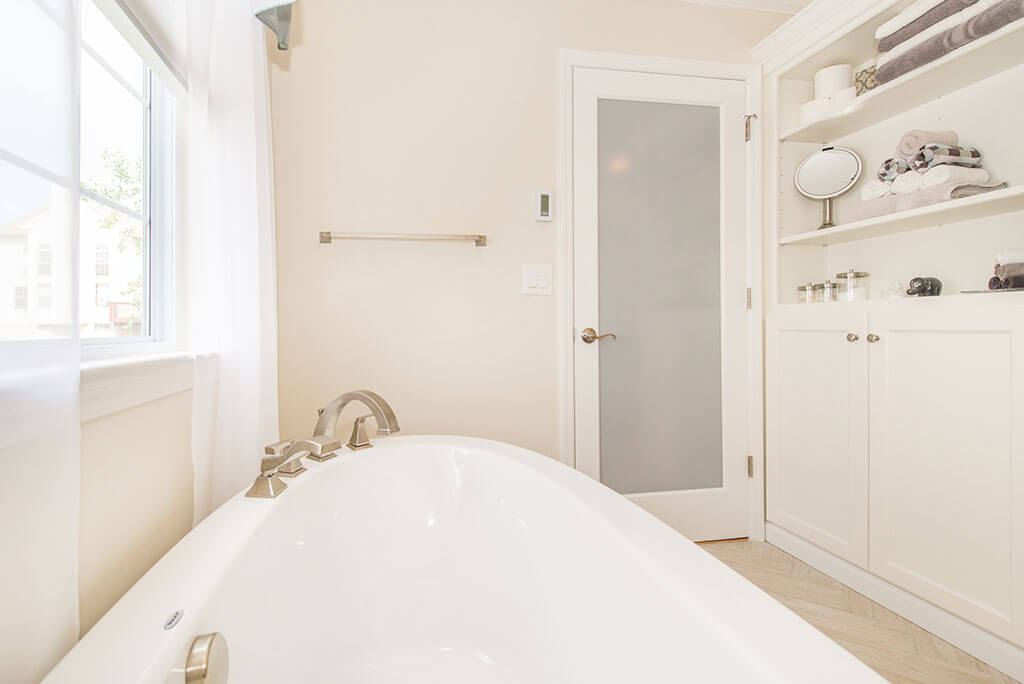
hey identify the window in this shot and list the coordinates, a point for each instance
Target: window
(44, 295)
(20, 297)
(102, 261)
(44, 261)
(126, 141)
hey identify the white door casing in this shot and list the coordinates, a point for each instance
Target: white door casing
(709, 513)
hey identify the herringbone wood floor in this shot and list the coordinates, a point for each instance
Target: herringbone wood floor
(897, 649)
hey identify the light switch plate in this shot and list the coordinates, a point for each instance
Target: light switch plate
(537, 279)
(542, 211)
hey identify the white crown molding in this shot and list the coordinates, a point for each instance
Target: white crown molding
(819, 23)
(776, 6)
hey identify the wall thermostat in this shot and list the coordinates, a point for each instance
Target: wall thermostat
(543, 206)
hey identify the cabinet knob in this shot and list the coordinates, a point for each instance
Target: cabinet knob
(873, 338)
(850, 337)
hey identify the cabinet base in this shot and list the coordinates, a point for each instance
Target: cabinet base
(983, 645)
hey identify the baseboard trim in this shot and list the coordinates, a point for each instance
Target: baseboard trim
(981, 644)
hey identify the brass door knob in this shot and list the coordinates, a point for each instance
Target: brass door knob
(851, 337)
(872, 338)
(589, 335)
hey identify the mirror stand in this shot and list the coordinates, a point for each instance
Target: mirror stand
(826, 214)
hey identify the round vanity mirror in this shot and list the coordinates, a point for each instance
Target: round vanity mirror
(827, 174)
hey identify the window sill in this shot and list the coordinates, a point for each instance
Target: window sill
(114, 385)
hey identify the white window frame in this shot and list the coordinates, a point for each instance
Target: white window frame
(161, 307)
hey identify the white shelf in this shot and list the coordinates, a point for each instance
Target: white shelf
(987, 56)
(953, 211)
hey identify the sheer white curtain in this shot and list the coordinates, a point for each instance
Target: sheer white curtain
(230, 217)
(39, 353)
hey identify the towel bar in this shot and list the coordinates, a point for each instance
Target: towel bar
(327, 237)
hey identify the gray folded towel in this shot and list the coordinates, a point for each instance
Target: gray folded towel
(1007, 270)
(929, 18)
(992, 19)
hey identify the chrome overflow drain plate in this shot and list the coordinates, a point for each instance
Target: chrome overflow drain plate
(174, 619)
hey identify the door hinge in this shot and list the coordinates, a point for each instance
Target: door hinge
(750, 466)
(749, 299)
(746, 126)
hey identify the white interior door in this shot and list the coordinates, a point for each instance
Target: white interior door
(659, 260)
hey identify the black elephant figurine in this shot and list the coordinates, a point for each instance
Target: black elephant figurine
(925, 287)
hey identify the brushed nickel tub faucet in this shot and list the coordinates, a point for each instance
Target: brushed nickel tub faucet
(380, 411)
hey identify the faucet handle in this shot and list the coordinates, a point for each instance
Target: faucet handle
(278, 448)
(358, 439)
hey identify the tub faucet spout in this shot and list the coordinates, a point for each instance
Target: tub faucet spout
(387, 424)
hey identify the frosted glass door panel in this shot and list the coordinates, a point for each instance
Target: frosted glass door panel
(659, 292)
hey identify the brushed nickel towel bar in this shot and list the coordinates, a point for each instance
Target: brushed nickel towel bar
(327, 237)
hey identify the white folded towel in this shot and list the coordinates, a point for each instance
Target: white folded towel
(935, 29)
(874, 189)
(907, 183)
(913, 11)
(943, 173)
(1010, 256)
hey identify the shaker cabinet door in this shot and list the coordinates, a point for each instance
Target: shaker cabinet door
(817, 461)
(947, 457)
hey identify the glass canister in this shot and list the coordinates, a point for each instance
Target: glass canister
(829, 291)
(818, 292)
(854, 285)
(805, 293)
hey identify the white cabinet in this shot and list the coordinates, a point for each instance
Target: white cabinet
(905, 455)
(817, 438)
(947, 459)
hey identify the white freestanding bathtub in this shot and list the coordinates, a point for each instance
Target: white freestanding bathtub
(454, 560)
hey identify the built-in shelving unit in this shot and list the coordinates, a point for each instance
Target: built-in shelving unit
(943, 213)
(987, 56)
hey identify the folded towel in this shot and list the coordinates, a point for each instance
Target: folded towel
(1009, 283)
(1010, 256)
(874, 188)
(934, 30)
(893, 203)
(913, 24)
(914, 140)
(989, 20)
(864, 80)
(946, 172)
(1007, 270)
(906, 183)
(935, 154)
(961, 190)
(891, 168)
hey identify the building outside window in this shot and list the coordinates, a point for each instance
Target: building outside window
(44, 261)
(102, 261)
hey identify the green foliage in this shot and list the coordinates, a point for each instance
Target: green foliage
(124, 187)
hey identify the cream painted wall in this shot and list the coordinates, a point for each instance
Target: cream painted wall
(410, 116)
(136, 497)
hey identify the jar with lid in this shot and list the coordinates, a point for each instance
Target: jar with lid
(829, 291)
(854, 285)
(805, 293)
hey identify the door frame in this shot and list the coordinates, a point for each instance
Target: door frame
(750, 74)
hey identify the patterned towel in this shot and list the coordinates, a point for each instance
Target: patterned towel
(891, 168)
(936, 153)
